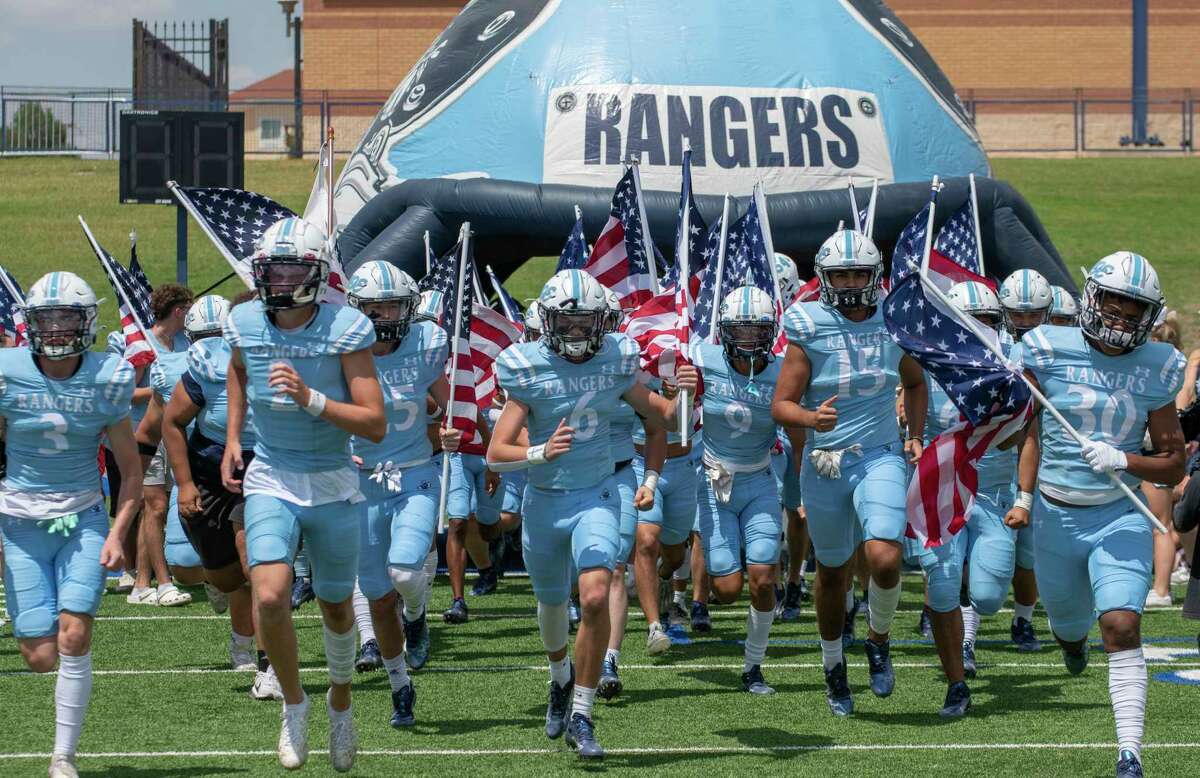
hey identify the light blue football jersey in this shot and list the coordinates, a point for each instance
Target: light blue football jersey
(165, 372)
(115, 344)
(639, 431)
(1105, 398)
(405, 376)
(621, 429)
(585, 394)
(207, 365)
(857, 361)
(738, 428)
(55, 427)
(286, 436)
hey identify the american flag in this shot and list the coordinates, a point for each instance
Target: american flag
(659, 325)
(443, 277)
(747, 263)
(491, 333)
(993, 401)
(133, 301)
(955, 240)
(697, 257)
(234, 218)
(574, 252)
(622, 255)
(705, 293)
(508, 304)
(12, 320)
(811, 290)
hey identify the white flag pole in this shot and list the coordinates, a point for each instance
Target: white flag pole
(764, 221)
(330, 222)
(428, 253)
(647, 241)
(975, 217)
(976, 329)
(682, 254)
(871, 208)
(99, 252)
(937, 187)
(464, 236)
(241, 268)
(858, 225)
(712, 329)
(509, 313)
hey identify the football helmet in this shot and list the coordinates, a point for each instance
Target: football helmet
(573, 311)
(1123, 275)
(848, 250)
(206, 317)
(377, 286)
(60, 316)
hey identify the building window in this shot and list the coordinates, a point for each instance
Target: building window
(271, 129)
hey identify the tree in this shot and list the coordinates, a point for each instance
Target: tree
(35, 128)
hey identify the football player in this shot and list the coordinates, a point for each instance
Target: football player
(1064, 311)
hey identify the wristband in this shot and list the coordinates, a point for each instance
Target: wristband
(146, 450)
(536, 455)
(438, 413)
(916, 437)
(651, 480)
(316, 403)
(1024, 500)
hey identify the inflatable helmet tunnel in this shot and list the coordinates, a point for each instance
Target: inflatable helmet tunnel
(522, 109)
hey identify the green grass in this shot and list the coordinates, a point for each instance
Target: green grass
(1091, 207)
(485, 686)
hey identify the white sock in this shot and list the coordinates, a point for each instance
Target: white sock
(362, 615)
(430, 568)
(560, 670)
(339, 654)
(849, 599)
(582, 704)
(758, 630)
(680, 599)
(970, 618)
(881, 607)
(241, 641)
(397, 671)
(1022, 612)
(1127, 690)
(613, 655)
(831, 653)
(71, 694)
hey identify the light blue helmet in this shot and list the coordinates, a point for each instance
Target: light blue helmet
(1065, 309)
(848, 250)
(746, 323)
(382, 282)
(1123, 275)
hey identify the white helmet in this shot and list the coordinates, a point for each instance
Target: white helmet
(290, 264)
(849, 250)
(746, 323)
(1126, 275)
(612, 321)
(206, 317)
(60, 316)
(533, 322)
(574, 309)
(789, 278)
(1065, 308)
(430, 307)
(978, 300)
(380, 282)
(1025, 291)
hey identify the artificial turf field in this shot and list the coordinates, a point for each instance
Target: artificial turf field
(164, 703)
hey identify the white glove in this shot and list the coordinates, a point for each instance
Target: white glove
(1103, 458)
(386, 475)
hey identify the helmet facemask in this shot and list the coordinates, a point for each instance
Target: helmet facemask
(194, 336)
(748, 340)
(1018, 330)
(60, 331)
(391, 316)
(573, 334)
(849, 297)
(1102, 318)
(291, 282)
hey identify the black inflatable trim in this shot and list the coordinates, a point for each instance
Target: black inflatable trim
(513, 221)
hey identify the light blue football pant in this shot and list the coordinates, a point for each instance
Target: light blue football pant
(397, 527)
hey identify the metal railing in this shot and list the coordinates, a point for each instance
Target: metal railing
(87, 121)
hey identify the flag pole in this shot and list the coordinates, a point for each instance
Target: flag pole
(858, 225)
(720, 269)
(508, 312)
(936, 187)
(871, 208)
(764, 221)
(682, 255)
(99, 252)
(234, 262)
(647, 241)
(976, 329)
(975, 218)
(428, 258)
(479, 298)
(329, 181)
(464, 237)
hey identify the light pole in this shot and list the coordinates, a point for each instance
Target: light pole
(294, 24)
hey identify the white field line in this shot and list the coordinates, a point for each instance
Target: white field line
(542, 668)
(715, 750)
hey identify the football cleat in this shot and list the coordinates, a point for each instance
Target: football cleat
(302, 591)
(1076, 661)
(485, 583)
(666, 595)
(266, 685)
(701, 621)
(1023, 635)
(837, 691)
(1128, 765)
(416, 641)
(581, 736)
(403, 701)
(343, 738)
(753, 681)
(368, 658)
(848, 626)
(63, 766)
(657, 641)
(457, 613)
(968, 653)
(879, 664)
(293, 735)
(610, 684)
(958, 701)
(791, 602)
(677, 616)
(559, 706)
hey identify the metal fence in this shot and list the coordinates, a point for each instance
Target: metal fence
(87, 122)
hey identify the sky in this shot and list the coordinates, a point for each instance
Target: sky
(90, 42)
